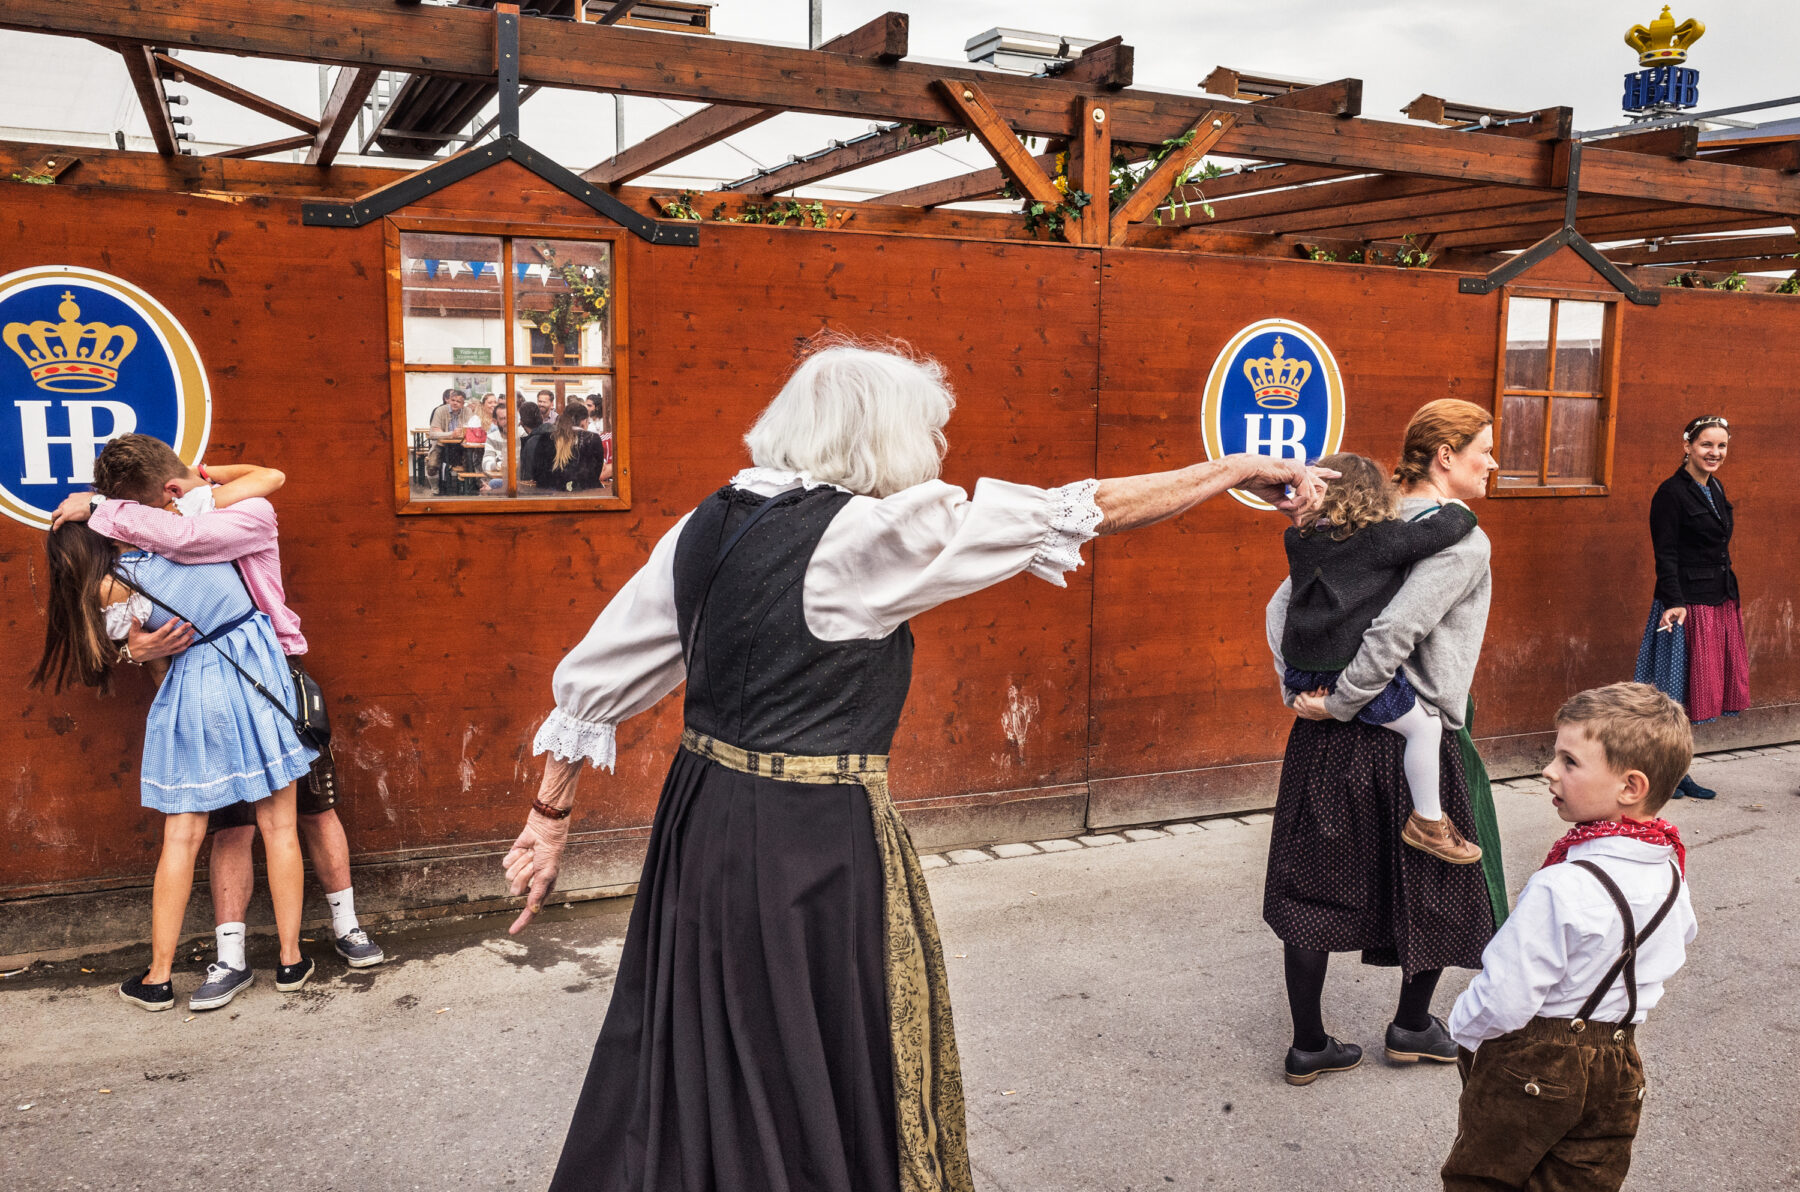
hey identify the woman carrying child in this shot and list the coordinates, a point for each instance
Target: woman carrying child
(1339, 878)
(211, 739)
(1342, 571)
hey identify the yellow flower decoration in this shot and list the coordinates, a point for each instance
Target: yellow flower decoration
(544, 328)
(1062, 184)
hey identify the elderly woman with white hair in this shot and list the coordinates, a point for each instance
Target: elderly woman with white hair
(781, 1018)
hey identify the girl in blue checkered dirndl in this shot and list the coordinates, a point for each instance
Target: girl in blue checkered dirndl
(212, 739)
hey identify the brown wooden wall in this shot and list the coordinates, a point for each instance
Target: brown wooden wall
(1141, 691)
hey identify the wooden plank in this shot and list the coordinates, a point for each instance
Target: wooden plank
(1415, 214)
(1766, 264)
(192, 76)
(1156, 185)
(124, 169)
(618, 12)
(690, 134)
(1647, 221)
(976, 112)
(1322, 197)
(890, 143)
(348, 92)
(1090, 169)
(1682, 142)
(883, 39)
(140, 62)
(1678, 252)
(1777, 155)
(1107, 64)
(978, 184)
(279, 145)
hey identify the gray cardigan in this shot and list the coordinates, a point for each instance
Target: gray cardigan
(1433, 628)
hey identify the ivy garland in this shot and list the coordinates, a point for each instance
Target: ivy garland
(779, 213)
(1123, 181)
(582, 302)
(1407, 256)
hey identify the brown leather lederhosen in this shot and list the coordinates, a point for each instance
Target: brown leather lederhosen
(1554, 1105)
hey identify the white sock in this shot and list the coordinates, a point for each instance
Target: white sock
(230, 937)
(343, 911)
(1424, 733)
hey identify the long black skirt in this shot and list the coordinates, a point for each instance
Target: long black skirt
(747, 1046)
(1340, 880)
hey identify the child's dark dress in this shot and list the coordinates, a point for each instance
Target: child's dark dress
(1341, 585)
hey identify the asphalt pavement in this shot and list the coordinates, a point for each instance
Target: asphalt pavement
(1119, 1009)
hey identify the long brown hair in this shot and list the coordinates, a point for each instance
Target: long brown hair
(1448, 420)
(568, 430)
(1359, 497)
(76, 649)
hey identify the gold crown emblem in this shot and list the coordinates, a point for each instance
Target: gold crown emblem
(71, 356)
(1664, 42)
(1276, 380)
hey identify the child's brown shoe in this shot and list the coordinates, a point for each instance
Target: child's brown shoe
(1440, 838)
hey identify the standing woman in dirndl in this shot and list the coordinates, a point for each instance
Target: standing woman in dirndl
(1693, 649)
(781, 1017)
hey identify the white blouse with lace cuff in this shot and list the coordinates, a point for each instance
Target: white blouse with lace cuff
(881, 561)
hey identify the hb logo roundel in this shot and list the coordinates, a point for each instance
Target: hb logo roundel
(1274, 390)
(87, 357)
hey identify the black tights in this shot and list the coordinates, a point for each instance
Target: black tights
(1306, 983)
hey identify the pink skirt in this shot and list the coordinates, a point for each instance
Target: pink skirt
(1718, 665)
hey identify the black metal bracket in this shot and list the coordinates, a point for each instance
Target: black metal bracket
(476, 158)
(473, 160)
(1564, 237)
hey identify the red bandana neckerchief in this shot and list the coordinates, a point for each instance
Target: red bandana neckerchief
(1656, 831)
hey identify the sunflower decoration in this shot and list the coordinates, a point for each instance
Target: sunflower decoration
(580, 300)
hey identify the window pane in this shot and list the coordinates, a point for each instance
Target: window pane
(456, 435)
(1574, 437)
(1527, 342)
(451, 300)
(575, 451)
(562, 302)
(1579, 330)
(1521, 451)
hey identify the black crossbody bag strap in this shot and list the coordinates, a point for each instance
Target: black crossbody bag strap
(249, 678)
(1626, 964)
(687, 655)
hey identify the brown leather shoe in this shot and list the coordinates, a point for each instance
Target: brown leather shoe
(1440, 838)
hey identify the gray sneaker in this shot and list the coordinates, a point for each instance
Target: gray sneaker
(358, 949)
(222, 984)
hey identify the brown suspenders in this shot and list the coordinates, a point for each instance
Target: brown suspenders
(1626, 964)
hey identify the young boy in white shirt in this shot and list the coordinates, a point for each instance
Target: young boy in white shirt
(1552, 1082)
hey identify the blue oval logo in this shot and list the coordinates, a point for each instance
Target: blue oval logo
(87, 357)
(1274, 390)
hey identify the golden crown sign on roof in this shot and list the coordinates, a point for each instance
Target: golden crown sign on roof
(71, 356)
(1664, 43)
(1276, 380)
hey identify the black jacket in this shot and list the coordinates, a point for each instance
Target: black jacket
(1339, 588)
(1692, 542)
(535, 452)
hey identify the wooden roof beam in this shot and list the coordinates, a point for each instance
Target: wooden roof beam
(1681, 252)
(1149, 194)
(146, 80)
(896, 141)
(348, 92)
(1645, 222)
(1247, 85)
(1777, 155)
(1321, 203)
(1107, 64)
(978, 184)
(618, 12)
(458, 42)
(1682, 141)
(975, 111)
(1782, 264)
(883, 39)
(178, 71)
(280, 145)
(1434, 110)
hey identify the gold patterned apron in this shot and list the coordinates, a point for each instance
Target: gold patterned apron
(928, 1089)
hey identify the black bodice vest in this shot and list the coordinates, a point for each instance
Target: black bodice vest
(757, 677)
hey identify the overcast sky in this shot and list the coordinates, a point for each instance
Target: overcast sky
(1505, 53)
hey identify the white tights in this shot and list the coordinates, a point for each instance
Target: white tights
(1424, 733)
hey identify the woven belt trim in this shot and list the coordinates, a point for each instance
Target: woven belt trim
(788, 767)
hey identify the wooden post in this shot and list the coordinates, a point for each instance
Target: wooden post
(1090, 168)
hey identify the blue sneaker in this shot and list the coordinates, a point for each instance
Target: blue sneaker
(222, 984)
(160, 996)
(357, 949)
(1688, 788)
